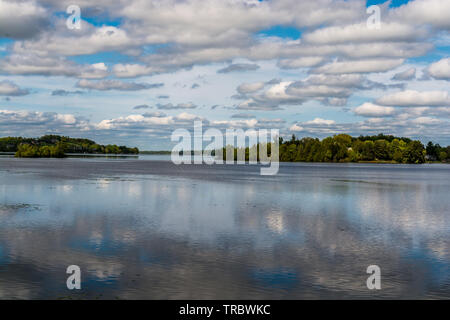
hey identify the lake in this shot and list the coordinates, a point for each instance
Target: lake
(148, 229)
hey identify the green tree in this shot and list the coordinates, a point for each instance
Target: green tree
(381, 149)
(415, 152)
(27, 151)
(368, 150)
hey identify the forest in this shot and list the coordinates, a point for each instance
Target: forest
(58, 146)
(345, 148)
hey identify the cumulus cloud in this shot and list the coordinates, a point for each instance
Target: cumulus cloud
(250, 123)
(271, 123)
(170, 106)
(134, 121)
(239, 67)
(21, 20)
(8, 88)
(271, 98)
(328, 89)
(89, 40)
(359, 66)
(390, 31)
(30, 64)
(159, 124)
(155, 122)
(250, 87)
(32, 117)
(412, 98)
(156, 114)
(230, 21)
(242, 116)
(246, 124)
(320, 122)
(414, 127)
(296, 127)
(302, 62)
(134, 70)
(440, 69)
(104, 85)
(426, 121)
(432, 12)
(34, 123)
(372, 110)
(315, 126)
(64, 93)
(175, 58)
(408, 74)
(141, 106)
(184, 116)
(218, 31)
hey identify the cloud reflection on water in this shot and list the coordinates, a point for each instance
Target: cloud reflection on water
(309, 233)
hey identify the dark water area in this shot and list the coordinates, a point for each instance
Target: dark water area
(146, 229)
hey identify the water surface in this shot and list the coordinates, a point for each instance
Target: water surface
(142, 229)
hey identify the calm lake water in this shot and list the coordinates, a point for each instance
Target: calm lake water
(143, 229)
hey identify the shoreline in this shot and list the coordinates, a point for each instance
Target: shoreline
(136, 156)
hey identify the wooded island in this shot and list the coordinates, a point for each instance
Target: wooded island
(54, 146)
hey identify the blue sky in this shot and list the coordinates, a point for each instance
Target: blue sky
(135, 72)
(393, 3)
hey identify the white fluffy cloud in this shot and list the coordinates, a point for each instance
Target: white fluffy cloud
(37, 123)
(440, 69)
(302, 62)
(433, 12)
(329, 89)
(134, 70)
(296, 127)
(250, 123)
(320, 122)
(359, 66)
(88, 40)
(372, 110)
(390, 31)
(412, 98)
(250, 87)
(426, 121)
(134, 121)
(29, 64)
(8, 88)
(417, 127)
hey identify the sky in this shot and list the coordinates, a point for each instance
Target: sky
(133, 71)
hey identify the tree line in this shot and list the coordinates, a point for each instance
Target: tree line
(58, 146)
(338, 148)
(345, 148)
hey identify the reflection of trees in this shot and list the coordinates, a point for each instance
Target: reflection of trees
(208, 238)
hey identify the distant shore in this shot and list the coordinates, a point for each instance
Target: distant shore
(55, 146)
(83, 155)
(136, 156)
